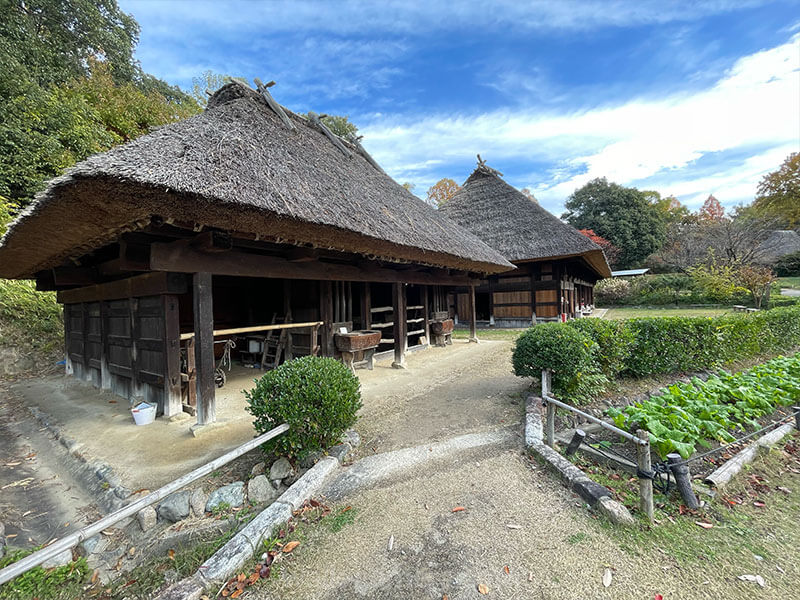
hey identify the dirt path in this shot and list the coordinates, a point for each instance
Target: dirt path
(444, 392)
(554, 549)
(38, 499)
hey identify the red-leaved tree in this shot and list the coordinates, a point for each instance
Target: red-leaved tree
(712, 210)
(609, 249)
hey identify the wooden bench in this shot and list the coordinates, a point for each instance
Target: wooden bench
(739, 308)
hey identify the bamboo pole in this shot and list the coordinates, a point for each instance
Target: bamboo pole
(187, 336)
(73, 539)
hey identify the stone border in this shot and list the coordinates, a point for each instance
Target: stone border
(732, 466)
(239, 549)
(596, 495)
(97, 476)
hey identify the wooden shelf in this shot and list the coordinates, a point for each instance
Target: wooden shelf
(380, 309)
(387, 341)
(416, 332)
(382, 325)
(415, 320)
(420, 307)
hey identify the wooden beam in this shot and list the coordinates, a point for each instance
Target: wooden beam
(212, 241)
(149, 284)
(400, 325)
(66, 276)
(204, 347)
(426, 313)
(178, 257)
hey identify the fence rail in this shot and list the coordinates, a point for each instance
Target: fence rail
(70, 541)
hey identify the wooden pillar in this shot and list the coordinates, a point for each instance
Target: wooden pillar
(400, 328)
(172, 357)
(204, 348)
(326, 316)
(287, 311)
(645, 466)
(137, 387)
(349, 301)
(105, 374)
(425, 314)
(366, 305)
(473, 333)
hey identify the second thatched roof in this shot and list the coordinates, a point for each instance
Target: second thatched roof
(517, 227)
(239, 166)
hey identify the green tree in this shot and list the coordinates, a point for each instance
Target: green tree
(71, 87)
(341, 126)
(779, 192)
(208, 80)
(669, 207)
(622, 215)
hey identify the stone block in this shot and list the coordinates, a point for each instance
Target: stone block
(231, 495)
(147, 518)
(260, 491)
(198, 501)
(281, 469)
(174, 507)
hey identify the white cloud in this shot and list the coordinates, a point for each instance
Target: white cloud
(755, 105)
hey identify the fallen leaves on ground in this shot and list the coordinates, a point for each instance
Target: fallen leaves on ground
(290, 546)
(459, 509)
(704, 524)
(506, 570)
(483, 588)
(607, 577)
(753, 578)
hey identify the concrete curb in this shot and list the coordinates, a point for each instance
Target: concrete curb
(98, 477)
(245, 544)
(596, 495)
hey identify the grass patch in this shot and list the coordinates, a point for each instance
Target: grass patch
(577, 538)
(60, 583)
(741, 529)
(30, 319)
(789, 282)
(634, 312)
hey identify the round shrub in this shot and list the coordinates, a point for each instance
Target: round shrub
(317, 397)
(555, 346)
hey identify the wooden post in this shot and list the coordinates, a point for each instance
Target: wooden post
(313, 344)
(684, 483)
(204, 348)
(366, 306)
(547, 382)
(326, 316)
(137, 386)
(172, 358)
(550, 425)
(349, 301)
(191, 372)
(796, 410)
(473, 335)
(645, 484)
(400, 327)
(425, 314)
(287, 311)
(575, 442)
(105, 374)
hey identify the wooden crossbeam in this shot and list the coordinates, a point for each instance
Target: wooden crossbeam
(314, 118)
(272, 104)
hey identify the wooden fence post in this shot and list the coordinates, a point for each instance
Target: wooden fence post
(550, 426)
(645, 483)
(681, 472)
(796, 410)
(575, 442)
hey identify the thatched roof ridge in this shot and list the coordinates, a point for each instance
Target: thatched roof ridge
(518, 228)
(778, 244)
(237, 166)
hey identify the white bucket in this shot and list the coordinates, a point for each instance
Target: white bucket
(144, 413)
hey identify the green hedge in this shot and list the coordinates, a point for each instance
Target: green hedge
(659, 345)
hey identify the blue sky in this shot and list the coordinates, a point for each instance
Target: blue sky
(687, 98)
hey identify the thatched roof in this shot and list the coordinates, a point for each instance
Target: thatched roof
(238, 167)
(777, 245)
(518, 228)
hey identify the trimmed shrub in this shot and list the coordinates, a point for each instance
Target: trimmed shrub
(788, 265)
(317, 397)
(612, 291)
(650, 346)
(568, 352)
(613, 340)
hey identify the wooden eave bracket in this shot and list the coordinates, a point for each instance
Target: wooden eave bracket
(317, 122)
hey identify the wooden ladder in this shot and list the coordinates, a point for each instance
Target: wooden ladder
(274, 344)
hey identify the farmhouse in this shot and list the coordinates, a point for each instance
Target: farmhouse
(245, 220)
(557, 266)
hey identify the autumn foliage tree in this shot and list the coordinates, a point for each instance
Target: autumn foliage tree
(757, 280)
(712, 211)
(609, 249)
(441, 191)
